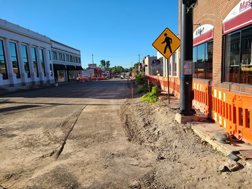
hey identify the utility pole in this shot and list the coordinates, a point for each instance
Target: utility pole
(186, 57)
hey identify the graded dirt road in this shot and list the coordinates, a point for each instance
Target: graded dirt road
(88, 136)
(68, 137)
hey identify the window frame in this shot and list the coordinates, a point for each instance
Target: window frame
(205, 60)
(224, 57)
(18, 74)
(5, 76)
(27, 57)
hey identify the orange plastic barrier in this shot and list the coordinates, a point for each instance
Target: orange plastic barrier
(83, 79)
(98, 78)
(202, 97)
(233, 112)
(162, 82)
(153, 79)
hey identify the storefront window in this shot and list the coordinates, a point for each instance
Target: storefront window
(71, 74)
(237, 63)
(246, 63)
(3, 68)
(61, 75)
(25, 60)
(42, 60)
(14, 58)
(202, 60)
(34, 60)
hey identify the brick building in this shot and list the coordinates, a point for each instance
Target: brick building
(222, 64)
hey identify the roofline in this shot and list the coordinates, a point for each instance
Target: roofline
(64, 45)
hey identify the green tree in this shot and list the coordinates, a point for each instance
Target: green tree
(107, 64)
(117, 70)
(102, 63)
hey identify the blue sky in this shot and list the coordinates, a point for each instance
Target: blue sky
(115, 30)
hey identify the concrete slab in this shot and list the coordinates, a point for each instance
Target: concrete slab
(182, 119)
(207, 132)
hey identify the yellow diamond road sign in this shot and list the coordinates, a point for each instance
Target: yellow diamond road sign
(166, 43)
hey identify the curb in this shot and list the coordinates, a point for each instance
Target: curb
(212, 141)
(207, 132)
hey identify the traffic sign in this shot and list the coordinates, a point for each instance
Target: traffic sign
(166, 43)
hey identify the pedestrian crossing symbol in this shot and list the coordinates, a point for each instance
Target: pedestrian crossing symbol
(166, 43)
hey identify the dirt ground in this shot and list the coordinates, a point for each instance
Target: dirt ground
(69, 138)
(183, 160)
(89, 136)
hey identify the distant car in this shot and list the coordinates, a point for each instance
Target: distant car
(122, 77)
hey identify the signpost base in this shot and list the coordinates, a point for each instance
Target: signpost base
(183, 119)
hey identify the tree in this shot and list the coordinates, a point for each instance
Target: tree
(107, 64)
(104, 64)
(117, 70)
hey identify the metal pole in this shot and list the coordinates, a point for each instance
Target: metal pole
(186, 60)
(168, 79)
(132, 89)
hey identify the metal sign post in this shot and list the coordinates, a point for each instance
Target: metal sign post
(168, 81)
(167, 43)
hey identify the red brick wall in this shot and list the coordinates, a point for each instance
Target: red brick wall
(213, 12)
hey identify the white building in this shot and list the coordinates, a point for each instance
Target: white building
(153, 65)
(158, 65)
(66, 62)
(173, 64)
(25, 57)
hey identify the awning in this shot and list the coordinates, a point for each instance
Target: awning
(59, 67)
(70, 67)
(79, 68)
(239, 17)
(203, 34)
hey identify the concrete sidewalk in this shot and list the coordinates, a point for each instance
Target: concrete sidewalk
(209, 132)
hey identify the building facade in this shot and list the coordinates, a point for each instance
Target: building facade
(26, 58)
(225, 36)
(222, 60)
(66, 62)
(222, 64)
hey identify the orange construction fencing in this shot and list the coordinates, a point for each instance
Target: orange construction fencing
(202, 96)
(163, 83)
(233, 112)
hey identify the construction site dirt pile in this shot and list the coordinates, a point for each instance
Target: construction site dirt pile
(183, 160)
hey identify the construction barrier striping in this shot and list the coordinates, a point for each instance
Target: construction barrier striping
(233, 112)
(163, 83)
(202, 97)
